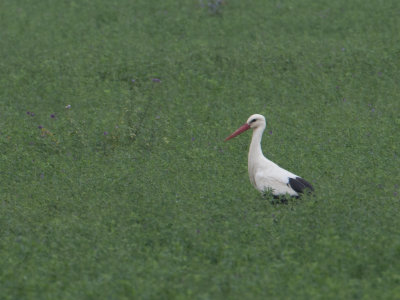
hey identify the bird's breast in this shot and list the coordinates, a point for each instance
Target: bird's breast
(252, 168)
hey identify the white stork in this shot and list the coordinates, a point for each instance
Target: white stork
(264, 174)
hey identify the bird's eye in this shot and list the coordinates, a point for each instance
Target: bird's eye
(252, 121)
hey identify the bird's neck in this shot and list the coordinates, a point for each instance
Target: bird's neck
(255, 151)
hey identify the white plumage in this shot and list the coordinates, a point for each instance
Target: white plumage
(263, 173)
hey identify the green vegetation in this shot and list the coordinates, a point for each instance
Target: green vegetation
(131, 192)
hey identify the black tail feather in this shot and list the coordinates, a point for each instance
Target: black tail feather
(300, 185)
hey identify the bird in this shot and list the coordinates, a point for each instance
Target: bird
(264, 174)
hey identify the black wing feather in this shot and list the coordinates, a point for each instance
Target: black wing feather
(299, 184)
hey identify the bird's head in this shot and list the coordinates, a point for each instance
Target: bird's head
(253, 122)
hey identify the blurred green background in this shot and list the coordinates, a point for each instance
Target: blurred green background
(131, 193)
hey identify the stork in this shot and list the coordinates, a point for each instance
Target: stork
(264, 174)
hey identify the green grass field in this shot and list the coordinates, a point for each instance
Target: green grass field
(131, 193)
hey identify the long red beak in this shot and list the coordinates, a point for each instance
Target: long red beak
(241, 129)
